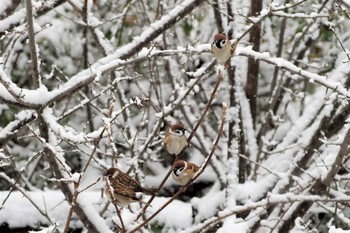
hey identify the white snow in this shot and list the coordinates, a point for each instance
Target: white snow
(18, 207)
(134, 141)
(333, 229)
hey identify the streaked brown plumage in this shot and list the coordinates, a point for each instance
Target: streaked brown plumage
(183, 171)
(122, 189)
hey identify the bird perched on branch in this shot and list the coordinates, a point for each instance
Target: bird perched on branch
(222, 48)
(175, 140)
(183, 171)
(121, 189)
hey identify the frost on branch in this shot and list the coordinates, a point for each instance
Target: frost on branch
(89, 85)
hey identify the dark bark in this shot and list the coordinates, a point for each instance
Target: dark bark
(253, 64)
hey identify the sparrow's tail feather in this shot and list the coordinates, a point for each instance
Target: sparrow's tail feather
(149, 191)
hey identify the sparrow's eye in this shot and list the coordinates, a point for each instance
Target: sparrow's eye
(178, 131)
(178, 168)
(222, 43)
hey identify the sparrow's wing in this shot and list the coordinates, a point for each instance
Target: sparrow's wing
(126, 180)
(130, 185)
(167, 138)
(193, 167)
(122, 189)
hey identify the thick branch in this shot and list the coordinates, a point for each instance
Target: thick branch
(253, 65)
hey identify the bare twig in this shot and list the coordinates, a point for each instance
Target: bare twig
(76, 186)
(153, 196)
(270, 200)
(14, 183)
(71, 210)
(201, 170)
(341, 44)
(212, 96)
(118, 210)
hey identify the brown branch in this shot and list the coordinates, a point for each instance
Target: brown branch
(76, 185)
(201, 170)
(56, 168)
(212, 96)
(71, 210)
(153, 196)
(108, 187)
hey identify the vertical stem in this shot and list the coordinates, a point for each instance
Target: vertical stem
(32, 46)
(86, 62)
(253, 64)
(57, 172)
(217, 15)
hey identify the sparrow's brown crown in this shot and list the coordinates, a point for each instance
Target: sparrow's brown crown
(177, 126)
(111, 171)
(219, 37)
(178, 164)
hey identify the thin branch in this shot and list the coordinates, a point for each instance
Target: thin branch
(271, 200)
(32, 46)
(212, 96)
(341, 44)
(14, 184)
(13, 127)
(201, 170)
(286, 65)
(109, 189)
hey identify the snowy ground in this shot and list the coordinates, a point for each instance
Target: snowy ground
(19, 212)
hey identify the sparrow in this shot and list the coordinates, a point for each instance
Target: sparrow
(121, 189)
(221, 48)
(183, 171)
(175, 140)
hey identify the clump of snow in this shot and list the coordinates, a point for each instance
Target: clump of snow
(76, 177)
(231, 223)
(184, 219)
(333, 229)
(208, 204)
